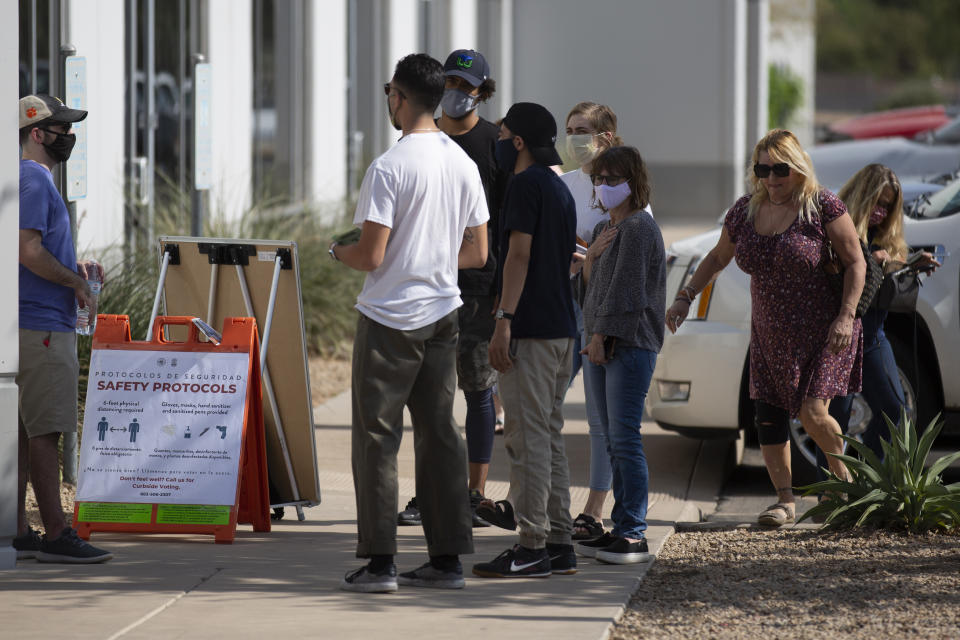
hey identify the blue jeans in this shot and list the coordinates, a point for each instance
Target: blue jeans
(615, 393)
(881, 388)
(577, 342)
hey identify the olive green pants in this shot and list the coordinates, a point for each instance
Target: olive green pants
(393, 368)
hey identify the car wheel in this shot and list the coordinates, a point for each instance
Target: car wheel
(920, 379)
(803, 450)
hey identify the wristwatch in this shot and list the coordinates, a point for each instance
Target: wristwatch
(503, 315)
(331, 252)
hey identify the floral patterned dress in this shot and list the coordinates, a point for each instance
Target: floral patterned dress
(793, 308)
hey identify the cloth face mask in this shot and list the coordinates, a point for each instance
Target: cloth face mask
(62, 145)
(457, 104)
(506, 155)
(582, 147)
(611, 197)
(877, 216)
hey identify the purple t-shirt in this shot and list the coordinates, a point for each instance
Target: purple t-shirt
(45, 305)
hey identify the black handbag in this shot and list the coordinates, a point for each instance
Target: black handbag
(898, 292)
(834, 269)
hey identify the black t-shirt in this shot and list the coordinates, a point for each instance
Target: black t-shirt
(479, 143)
(538, 203)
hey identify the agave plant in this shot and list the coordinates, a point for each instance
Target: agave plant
(896, 492)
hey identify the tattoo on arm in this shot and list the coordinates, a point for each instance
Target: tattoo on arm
(468, 236)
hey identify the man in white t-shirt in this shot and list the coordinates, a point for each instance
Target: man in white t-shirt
(423, 214)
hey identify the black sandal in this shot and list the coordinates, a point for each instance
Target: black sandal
(589, 527)
(499, 513)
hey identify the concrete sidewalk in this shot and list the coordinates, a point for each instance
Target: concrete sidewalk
(285, 583)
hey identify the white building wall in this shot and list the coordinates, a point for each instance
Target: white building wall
(229, 50)
(463, 26)
(100, 214)
(327, 113)
(672, 71)
(9, 233)
(793, 44)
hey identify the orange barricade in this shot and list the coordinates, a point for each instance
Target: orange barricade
(252, 501)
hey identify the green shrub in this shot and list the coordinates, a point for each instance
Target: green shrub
(893, 493)
(786, 96)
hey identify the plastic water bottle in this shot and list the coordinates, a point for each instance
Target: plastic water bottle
(87, 316)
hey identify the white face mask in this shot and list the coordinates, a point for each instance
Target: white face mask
(612, 197)
(582, 148)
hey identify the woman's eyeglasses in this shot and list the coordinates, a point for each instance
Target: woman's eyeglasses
(781, 170)
(611, 181)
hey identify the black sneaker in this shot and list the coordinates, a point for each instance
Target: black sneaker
(588, 548)
(429, 576)
(410, 516)
(70, 549)
(624, 552)
(563, 560)
(363, 581)
(28, 544)
(518, 562)
(475, 498)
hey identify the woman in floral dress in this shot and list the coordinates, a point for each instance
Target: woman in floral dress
(806, 346)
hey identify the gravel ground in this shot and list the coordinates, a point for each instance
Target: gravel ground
(750, 583)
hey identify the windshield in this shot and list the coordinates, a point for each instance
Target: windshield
(948, 133)
(943, 203)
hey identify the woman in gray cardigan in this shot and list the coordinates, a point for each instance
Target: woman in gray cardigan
(625, 272)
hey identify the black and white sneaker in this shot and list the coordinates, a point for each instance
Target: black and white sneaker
(410, 516)
(563, 560)
(588, 548)
(28, 544)
(624, 552)
(70, 549)
(518, 562)
(429, 576)
(363, 581)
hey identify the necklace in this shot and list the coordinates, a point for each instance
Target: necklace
(421, 131)
(781, 203)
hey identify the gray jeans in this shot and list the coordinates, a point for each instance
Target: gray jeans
(532, 394)
(393, 368)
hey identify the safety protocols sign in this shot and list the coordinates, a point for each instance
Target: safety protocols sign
(162, 427)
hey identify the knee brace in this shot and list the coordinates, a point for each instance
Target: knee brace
(773, 423)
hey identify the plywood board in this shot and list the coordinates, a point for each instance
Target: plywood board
(186, 292)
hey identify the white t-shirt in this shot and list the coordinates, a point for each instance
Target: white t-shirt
(428, 191)
(587, 217)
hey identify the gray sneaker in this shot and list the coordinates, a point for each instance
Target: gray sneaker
(362, 581)
(428, 576)
(28, 544)
(69, 548)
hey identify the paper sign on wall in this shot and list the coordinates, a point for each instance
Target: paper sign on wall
(163, 427)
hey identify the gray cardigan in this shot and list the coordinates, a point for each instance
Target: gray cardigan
(626, 294)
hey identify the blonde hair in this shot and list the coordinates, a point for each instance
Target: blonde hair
(783, 146)
(602, 119)
(861, 194)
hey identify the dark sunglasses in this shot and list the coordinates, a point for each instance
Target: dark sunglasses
(781, 170)
(387, 89)
(599, 180)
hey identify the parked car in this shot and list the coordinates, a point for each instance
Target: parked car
(905, 123)
(929, 159)
(700, 384)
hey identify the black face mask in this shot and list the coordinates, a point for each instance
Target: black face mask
(62, 145)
